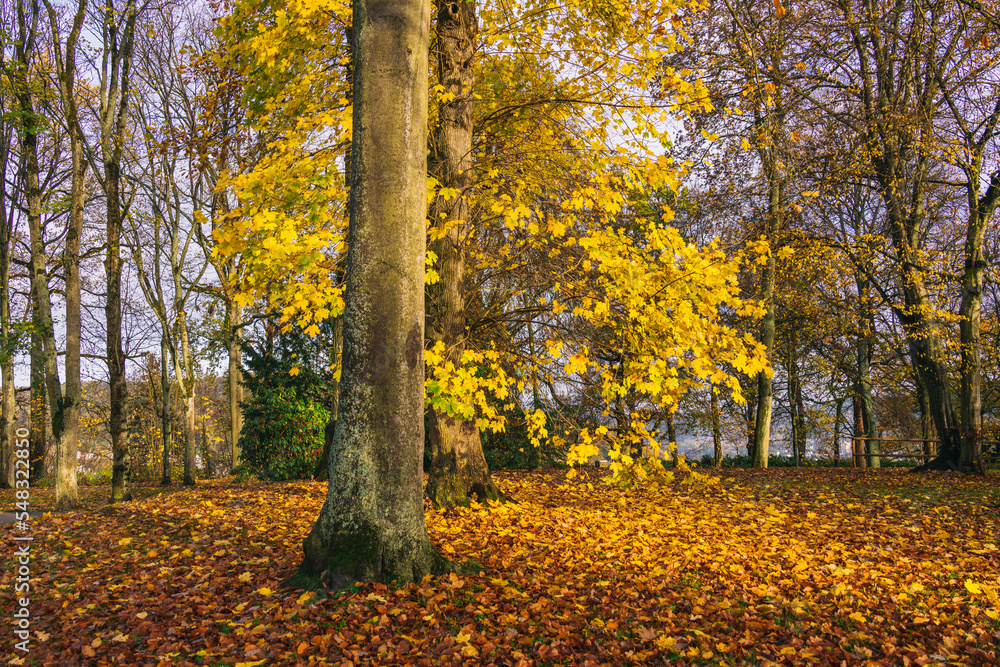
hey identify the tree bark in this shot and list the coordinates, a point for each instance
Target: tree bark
(116, 92)
(864, 353)
(765, 386)
(857, 446)
(716, 426)
(67, 441)
(8, 402)
(233, 318)
(165, 430)
(970, 317)
(458, 471)
(796, 406)
(836, 432)
(926, 420)
(372, 526)
(38, 414)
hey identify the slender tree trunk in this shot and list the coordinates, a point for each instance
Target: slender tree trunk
(115, 98)
(672, 438)
(857, 446)
(9, 406)
(39, 412)
(206, 450)
(716, 426)
(120, 490)
(458, 470)
(765, 386)
(165, 430)
(864, 354)
(372, 523)
(836, 432)
(234, 314)
(8, 402)
(536, 402)
(796, 407)
(186, 383)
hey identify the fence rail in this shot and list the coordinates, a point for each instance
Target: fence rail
(895, 455)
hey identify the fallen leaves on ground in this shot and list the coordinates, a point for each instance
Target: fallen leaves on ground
(777, 567)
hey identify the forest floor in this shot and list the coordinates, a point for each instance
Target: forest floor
(837, 567)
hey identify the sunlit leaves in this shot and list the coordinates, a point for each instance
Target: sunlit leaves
(790, 567)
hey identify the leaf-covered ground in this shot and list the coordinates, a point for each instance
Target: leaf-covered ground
(786, 567)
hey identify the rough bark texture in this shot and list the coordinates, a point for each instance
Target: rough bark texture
(115, 96)
(67, 441)
(371, 526)
(458, 469)
(970, 315)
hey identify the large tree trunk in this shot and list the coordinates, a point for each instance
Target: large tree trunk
(458, 469)
(970, 321)
(71, 401)
(372, 526)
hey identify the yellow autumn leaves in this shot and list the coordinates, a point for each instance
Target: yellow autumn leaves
(564, 162)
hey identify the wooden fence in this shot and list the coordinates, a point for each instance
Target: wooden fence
(896, 455)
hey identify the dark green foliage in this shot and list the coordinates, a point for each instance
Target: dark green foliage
(511, 449)
(282, 434)
(290, 388)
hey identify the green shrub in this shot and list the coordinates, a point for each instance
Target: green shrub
(282, 436)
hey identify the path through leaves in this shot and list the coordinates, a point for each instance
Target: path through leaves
(785, 567)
